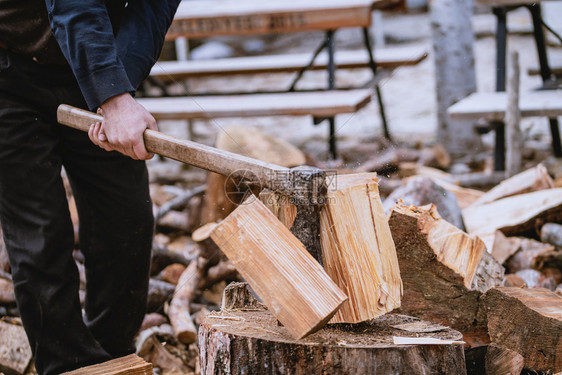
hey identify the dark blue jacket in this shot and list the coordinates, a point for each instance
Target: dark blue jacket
(110, 45)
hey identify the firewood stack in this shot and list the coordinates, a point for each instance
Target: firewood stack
(484, 285)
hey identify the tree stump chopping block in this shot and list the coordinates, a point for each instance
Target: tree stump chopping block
(250, 342)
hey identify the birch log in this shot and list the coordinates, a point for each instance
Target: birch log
(514, 137)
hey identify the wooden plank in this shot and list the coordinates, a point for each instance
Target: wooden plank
(385, 58)
(294, 287)
(492, 105)
(128, 365)
(204, 18)
(320, 104)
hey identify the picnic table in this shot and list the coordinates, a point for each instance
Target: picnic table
(209, 18)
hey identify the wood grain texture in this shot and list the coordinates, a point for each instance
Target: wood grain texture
(283, 274)
(15, 353)
(385, 58)
(503, 361)
(129, 365)
(515, 215)
(444, 270)
(202, 18)
(252, 343)
(319, 104)
(529, 322)
(357, 249)
(493, 105)
(533, 179)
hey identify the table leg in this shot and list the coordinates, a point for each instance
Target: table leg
(373, 66)
(331, 85)
(501, 47)
(546, 74)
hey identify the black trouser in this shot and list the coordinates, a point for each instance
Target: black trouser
(116, 223)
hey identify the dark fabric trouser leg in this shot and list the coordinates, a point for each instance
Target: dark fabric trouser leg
(115, 224)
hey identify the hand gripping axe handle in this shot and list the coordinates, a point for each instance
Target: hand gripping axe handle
(305, 185)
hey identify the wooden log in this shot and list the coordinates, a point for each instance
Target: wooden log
(533, 179)
(251, 342)
(224, 194)
(512, 311)
(171, 273)
(357, 249)
(178, 312)
(7, 295)
(128, 365)
(4, 261)
(159, 292)
(518, 215)
(552, 234)
(238, 296)
(444, 270)
(514, 137)
(420, 191)
(504, 247)
(15, 353)
(526, 256)
(388, 160)
(278, 267)
(503, 361)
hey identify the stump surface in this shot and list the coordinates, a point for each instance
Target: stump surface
(251, 342)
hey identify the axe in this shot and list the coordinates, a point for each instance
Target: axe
(304, 185)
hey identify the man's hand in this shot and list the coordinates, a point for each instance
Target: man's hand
(124, 122)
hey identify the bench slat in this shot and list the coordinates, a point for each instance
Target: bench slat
(492, 105)
(320, 104)
(385, 58)
(200, 18)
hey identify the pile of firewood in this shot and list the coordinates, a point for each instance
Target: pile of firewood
(479, 268)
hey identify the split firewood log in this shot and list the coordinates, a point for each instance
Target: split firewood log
(552, 233)
(444, 270)
(159, 292)
(503, 361)
(529, 322)
(15, 353)
(7, 295)
(179, 312)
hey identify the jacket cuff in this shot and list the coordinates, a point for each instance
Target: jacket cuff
(103, 84)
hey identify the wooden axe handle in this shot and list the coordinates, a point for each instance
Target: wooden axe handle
(209, 158)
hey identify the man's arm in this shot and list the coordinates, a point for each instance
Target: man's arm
(85, 35)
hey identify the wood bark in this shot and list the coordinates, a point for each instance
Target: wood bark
(514, 137)
(278, 267)
(128, 365)
(159, 292)
(518, 215)
(250, 342)
(552, 234)
(179, 312)
(526, 257)
(529, 322)
(358, 251)
(238, 296)
(533, 179)
(15, 353)
(444, 270)
(223, 193)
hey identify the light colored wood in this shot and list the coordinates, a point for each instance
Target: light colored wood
(502, 361)
(515, 215)
(533, 179)
(193, 153)
(513, 134)
(283, 274)
(552, 233)
(251, 342)
(223, 194)
(128, 365)
(492, 105)
(357, 249)
(443, 269)
(201, 18)
(529, 322)
(504, 247)
(319, 104)
(280, 205)
(385, 58)
(178, 311)
(15, 353)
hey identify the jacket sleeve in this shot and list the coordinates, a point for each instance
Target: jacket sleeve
(141, 35)
(104, 65)
(85, 35)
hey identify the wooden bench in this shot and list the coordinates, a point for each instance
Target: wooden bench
(492, 106)
(316, 104)
(385, 58)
